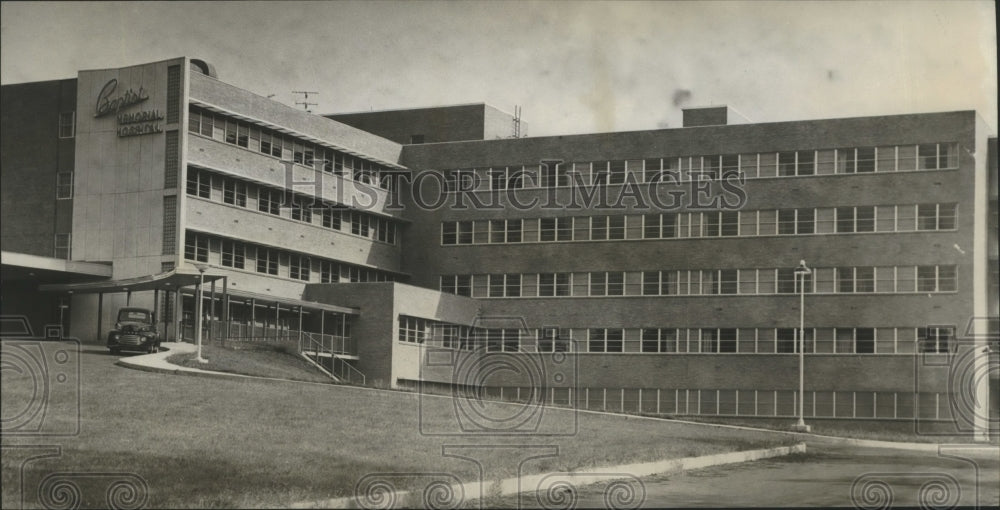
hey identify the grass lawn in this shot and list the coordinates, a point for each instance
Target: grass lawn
(264, 361)
(201, 442)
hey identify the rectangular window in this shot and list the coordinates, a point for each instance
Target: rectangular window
(265, 142)
(652, 169)
(651, 226)
(946, 216)
(62, 246)
(267, 261)
(616, 173)
(243, 135)
(599, 228)
(556, 229)
(786, 163)
(496, 285)
(730, 223)
(805, 222)
(786, 221)
(449, 233)
(650, 340)
(598, 284)
(926, 278)
(498, 231)
(332, 217)
(298, 267)
(199, 183)
(668, 225)
(865, 219)
(710, 223)
(196, 247)
(512, 286)
(845, 161)
(786, 340)
(64, 185)
(301, 211)
(728, 281)
(927, 217)
(946, 279)
(866, 159)
(864, 279)
(67, 124)
(448, 284)
(845, 219)
(329, 272)
(269, 201)
(616, 283)
(234, 192)
(806, 163)
(233, 254)
(412, 329)
(927, 156)
(514, 231)
(845, 279)
(936, 338)
(616, 227)
(864, 340)
(786, 281)
(361, 224)
(207, 121)
(886, 159)
(727, 340)
(651, 283)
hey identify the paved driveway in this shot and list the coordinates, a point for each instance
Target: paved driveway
(827, 475)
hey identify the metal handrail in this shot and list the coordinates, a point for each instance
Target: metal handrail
(342, 370)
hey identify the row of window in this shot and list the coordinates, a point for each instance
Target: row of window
(252, 257)
(846, 404)
(823, 340)
(220, 188)
(286, 147)
(822, 280)
(851, 160)
(687, 225)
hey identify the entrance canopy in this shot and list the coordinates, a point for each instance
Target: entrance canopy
(171, 280)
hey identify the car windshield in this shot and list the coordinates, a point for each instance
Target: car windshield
(133, 315)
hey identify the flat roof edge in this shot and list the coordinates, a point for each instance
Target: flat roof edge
(26, 260)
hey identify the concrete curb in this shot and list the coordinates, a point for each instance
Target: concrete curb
(157, 362)
(473, 491)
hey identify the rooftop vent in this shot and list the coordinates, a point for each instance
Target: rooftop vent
(706, 116)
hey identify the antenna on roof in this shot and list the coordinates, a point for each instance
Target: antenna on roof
(305, 99)
(517, 121)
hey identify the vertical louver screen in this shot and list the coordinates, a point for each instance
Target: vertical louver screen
(170, 160)
(169, 225)
(173, 94)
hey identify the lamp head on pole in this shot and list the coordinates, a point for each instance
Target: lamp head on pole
(803, 269)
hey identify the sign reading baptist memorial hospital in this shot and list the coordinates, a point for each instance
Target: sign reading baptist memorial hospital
(143, 122)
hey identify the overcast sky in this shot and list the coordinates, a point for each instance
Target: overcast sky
(572, 67)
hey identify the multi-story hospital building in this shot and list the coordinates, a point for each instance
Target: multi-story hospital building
(661, 268)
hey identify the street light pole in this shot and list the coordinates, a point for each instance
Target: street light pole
(802, 271)
(197, 322)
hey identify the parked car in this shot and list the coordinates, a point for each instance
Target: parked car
(134, 331)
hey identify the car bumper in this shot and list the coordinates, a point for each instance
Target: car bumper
(131, 343)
